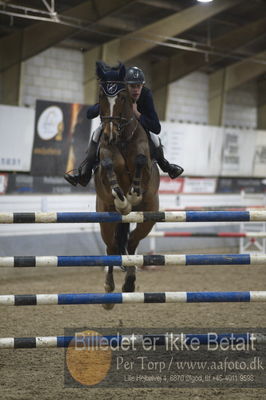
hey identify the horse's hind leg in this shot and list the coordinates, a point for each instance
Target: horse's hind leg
(129, 284)
(122, 234)
(135, 236)
(109, 286)
(108, 236)
(139, 233)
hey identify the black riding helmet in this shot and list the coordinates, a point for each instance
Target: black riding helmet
(135, 75)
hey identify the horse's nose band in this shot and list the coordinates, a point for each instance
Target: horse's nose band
(121, 125)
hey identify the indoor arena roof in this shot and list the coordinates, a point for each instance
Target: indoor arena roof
(183, 34)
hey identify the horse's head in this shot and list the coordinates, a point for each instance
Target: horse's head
(115, 103)
(116, 116)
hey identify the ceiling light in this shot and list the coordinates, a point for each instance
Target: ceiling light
(204, 1)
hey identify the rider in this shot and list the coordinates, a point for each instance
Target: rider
(144, 111)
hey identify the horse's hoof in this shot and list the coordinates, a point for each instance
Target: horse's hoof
(129, 285)
(108, 306)
(123, 208)
(109, 287)
(126, 211)
(134, 199)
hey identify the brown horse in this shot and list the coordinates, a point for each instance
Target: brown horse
(127, 178)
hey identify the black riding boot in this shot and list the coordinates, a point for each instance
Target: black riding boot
(85, 169)
(173, 170)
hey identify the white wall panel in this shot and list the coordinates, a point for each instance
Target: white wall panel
(215, 151)
(16, 133)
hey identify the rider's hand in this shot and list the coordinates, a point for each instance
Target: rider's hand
(135, 111)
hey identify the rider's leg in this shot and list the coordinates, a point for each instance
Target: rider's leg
(173, 170)
(85, 169)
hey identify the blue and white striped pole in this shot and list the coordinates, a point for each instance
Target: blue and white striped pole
(136, 217)
(116, 341)
(133, 260)
(133, 298)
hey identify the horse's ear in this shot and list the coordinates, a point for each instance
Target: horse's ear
(122, 72)
(100, 70)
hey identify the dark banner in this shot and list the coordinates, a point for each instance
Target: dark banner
(236, 185)
(61, 136)
(25, 183)
(22, 183)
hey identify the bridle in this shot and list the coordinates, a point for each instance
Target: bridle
(121, 125)
(120, 122)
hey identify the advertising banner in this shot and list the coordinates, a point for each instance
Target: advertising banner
(61, 136)
(238, 152)
(196, 148)
(260, 154)
(3, 183)
(171, 186)
(211, 151)
(200, 185)
(236, 185)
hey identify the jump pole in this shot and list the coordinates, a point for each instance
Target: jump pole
(216, 208)
(134, 217)
(208, 234)
(133, 260)
(116, 341)
(132, 298)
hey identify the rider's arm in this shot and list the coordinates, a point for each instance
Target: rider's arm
(149, 118)
(93, 111)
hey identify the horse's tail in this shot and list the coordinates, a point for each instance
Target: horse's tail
(121, 236)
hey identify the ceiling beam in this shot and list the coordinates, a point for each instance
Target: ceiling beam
(10, 91)
(142, 40)
(77, 44)
(136, 43)
(243, 71)
(28, 42)
(186, 62)
(119, 23)
(166, 4)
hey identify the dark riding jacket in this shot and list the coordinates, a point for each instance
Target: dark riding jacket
(148, 119)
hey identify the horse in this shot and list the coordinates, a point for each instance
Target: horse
(127, 178)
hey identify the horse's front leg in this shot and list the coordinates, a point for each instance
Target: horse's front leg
(134, 194)
(121, 202)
